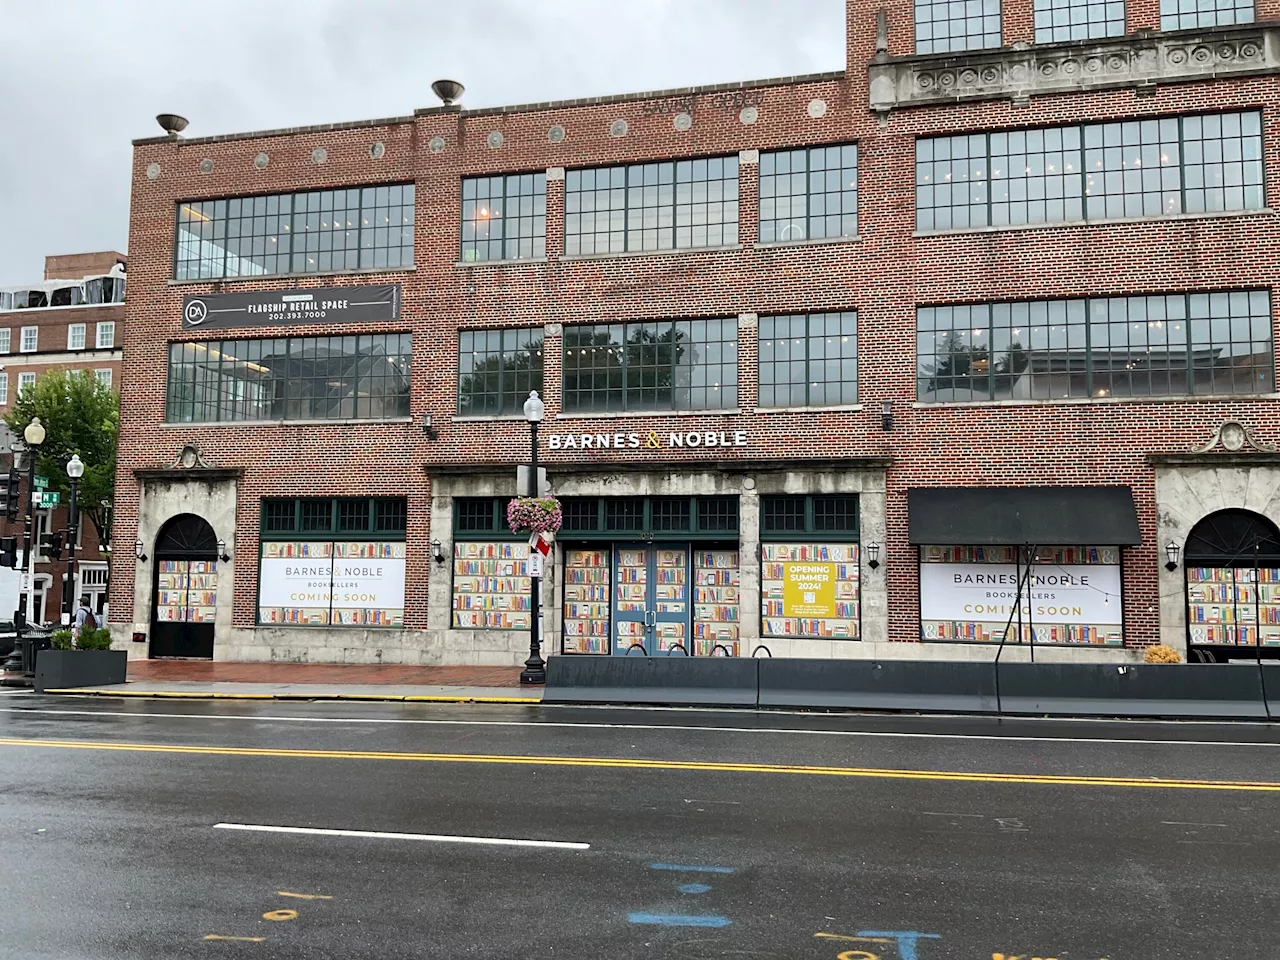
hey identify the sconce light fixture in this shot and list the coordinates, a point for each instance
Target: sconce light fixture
(428, 429)
(873, 555)
(222, 552)
(1171, 551)
(437, 551)
(138, 551)
(886, 416)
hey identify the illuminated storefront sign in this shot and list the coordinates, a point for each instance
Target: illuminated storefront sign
(650, 440)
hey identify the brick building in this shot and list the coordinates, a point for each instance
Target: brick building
(971, 339)
(73, 319)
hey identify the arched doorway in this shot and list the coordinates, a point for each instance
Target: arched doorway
(1232, 565)
(186, 589)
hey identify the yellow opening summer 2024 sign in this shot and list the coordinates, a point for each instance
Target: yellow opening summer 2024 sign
(809, 589)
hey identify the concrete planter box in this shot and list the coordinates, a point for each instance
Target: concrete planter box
(938, 685)
(63, 669)
(686, 681)
(1142, 690)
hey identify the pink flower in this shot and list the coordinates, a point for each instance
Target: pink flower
(534, 515)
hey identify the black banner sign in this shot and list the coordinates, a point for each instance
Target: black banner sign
(271, 308)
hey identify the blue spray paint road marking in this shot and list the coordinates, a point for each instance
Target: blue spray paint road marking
(906, 939)
(694, 888)
(679, 920)
(680, 868)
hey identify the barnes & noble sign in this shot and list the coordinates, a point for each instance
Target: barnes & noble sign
(649, 440)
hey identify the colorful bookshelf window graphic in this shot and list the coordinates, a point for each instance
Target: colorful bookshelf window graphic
(186, 591)
(715, 603)
(970, 594)
(1234, 606)
(586, 601)
(810, 590)
(491, 585)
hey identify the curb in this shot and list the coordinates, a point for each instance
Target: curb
(211, 695)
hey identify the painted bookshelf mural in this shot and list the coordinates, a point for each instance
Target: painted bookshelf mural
(319, 583)
(586, 601)
(1234, 606)
(631, 598)
(970, 594)
(715, 603)
(491, 585)
(671, 599)
(810, 590)
(186, 591)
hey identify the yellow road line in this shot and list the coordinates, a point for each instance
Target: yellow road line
(302, 896)
(213, 695)
(706, 766)
(218, 936)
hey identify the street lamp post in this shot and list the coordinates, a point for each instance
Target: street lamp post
(535, 668)
(34, 435)
(75, 470)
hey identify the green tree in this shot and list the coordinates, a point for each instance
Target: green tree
(82, 416)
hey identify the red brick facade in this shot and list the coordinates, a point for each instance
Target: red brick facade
(884, 274)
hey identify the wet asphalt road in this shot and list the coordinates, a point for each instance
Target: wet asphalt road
(108, 846)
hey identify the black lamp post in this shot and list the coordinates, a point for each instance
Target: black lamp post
(535, 668)
(75, 470)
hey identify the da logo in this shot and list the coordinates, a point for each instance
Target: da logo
(196, 313)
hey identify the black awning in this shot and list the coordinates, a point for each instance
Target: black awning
(1058, 516)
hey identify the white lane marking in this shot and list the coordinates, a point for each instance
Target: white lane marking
(384, 835)
(930, 813)
(1184, 823)
(640, 726)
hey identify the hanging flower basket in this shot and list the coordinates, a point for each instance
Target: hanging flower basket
(528, 515)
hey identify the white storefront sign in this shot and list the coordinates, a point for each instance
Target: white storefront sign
(969, 592)
(651, 440)
(355, 583)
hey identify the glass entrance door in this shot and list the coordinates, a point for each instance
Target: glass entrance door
(651, 600)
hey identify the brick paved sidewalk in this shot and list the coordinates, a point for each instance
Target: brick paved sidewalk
(210, 671)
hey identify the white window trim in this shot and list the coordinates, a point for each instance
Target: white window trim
(25, 377)
(72, 330)
(4, 388)
(104, 376)
(100, 327)
(35, 345)
(6, 339)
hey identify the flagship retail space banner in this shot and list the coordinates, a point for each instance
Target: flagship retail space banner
(987, 592)
(271, 308)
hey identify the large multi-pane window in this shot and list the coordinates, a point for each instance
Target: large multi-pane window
(661, 365)
(497, 369)
(1078, 19)
(809, 194)
(504, 217)
(322, 231)
(1164, 345)
(809, 360)
(672, 205)
(298, 378)
(946, 25)
(1101, 171)
(1188, 14)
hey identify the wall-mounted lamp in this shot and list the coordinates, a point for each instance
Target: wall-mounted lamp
(886, 416)
(1171, 551)
(138, 551)
(437, 551)
(428, 429)
(222, 552)
(873, 555)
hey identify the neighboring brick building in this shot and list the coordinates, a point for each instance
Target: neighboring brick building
(834, 358)
(73, 319)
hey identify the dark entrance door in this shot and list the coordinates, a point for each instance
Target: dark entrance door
(185, 589)
(1232, 564)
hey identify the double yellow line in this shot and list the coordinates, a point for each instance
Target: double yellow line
(701, 766)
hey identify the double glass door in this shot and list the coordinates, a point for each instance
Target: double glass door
(651, 600)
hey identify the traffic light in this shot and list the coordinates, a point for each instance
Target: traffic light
(51, 545)
(8, 551)
(13, 495)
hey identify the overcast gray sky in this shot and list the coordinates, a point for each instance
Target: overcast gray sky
(79, 79)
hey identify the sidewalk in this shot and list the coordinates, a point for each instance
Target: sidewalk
(207, 679)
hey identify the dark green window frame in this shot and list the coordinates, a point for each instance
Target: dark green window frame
(815, 508)
(497, 367)
(496, 527)
(661, 518)
(384, 518)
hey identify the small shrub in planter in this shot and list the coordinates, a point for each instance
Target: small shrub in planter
(1161, 654)
(60, 639)
(89, 640)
